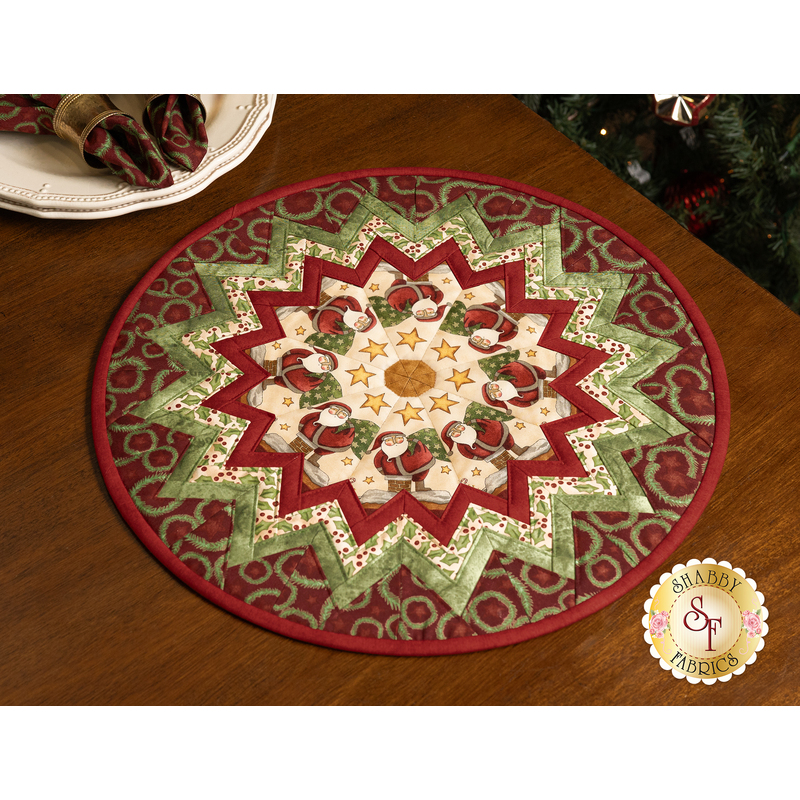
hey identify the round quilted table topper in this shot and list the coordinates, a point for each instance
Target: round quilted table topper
(410, 412)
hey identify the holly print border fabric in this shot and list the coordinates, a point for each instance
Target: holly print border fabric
(410, 412)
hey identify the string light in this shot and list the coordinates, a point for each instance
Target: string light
(603, 131)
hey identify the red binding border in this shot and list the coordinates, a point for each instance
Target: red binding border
(464, 644)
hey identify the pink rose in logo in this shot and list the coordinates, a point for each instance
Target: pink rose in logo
(752, 622)
(658, 624)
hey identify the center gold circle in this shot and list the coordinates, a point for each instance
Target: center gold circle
(705, 621)
(409, 378)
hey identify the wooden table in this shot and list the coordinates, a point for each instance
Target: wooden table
(90, 617)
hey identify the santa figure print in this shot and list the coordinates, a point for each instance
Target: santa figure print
(327, 429)
(300, 370)
(422, 299)
(484, 439)
(402, 461)
(516, 383)
(340, 315)
(492, 327)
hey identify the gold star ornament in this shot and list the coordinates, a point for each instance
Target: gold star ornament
(375, 402)
(446, 351)
(360, 375)
(443, 403)
(409, 413)
(375, 349)
(411, 339)
(460, 378)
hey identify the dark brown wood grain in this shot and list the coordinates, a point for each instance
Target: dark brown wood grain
(90, 617)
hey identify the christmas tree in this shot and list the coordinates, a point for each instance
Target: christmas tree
(726, 167)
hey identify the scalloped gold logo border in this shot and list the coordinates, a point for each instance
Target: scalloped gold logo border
(705, 621)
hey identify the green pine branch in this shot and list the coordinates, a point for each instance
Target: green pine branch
(750, 141)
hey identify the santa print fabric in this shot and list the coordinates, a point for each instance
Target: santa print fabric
(493, 436)
(326, 439)
(382, 425)
(414, 463)
(292, 373)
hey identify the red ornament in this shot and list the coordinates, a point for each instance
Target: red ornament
(694, 192)
(681, 109)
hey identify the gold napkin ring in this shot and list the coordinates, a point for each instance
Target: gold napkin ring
(152, 97)
(77, 115)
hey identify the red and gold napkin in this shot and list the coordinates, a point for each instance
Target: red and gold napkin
(117, 142)
(177, 121)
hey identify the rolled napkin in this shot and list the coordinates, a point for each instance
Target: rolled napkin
(105, 136)
(177, 121)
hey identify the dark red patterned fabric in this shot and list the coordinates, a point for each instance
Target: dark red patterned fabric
(118, 142)
(178, 125)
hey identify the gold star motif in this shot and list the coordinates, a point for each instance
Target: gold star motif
(287, 401)
(446, 280)
(284, 427)
(300, 331)
(531, 330)
(531, 354)
(360, 375)
(469, 296)
(476, 471)
(373, 287)
(276, 345)
(544, 411)
(375, 403)
(443, 403)
(374, 349)
(411, 339)
(347, 461)
(369, 479)
(409, 413)
(446, 351)
(460, 378)
(344, 286)
(445, 470)
(519, 425)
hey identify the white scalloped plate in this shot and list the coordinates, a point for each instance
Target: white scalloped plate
(46, 177)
